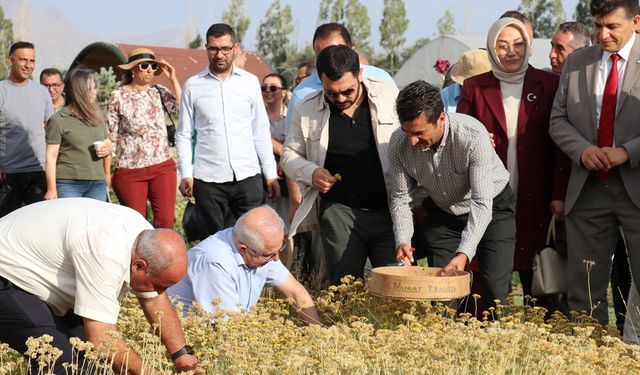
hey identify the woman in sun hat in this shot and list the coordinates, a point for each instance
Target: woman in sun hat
(144, 165)
(471, 63)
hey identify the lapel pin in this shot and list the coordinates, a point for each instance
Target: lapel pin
(531, 97)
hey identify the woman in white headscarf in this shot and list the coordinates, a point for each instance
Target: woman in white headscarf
(514, 102)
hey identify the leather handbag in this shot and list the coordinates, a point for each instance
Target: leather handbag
(549, 268)
(193, 223)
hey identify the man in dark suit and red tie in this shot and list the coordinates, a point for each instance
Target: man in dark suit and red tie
(594, 120)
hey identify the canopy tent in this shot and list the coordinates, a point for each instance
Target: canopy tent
(420, 64)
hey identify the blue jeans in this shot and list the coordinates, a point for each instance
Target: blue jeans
(96, 189)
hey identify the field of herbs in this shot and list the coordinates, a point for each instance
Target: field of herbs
(364, 334)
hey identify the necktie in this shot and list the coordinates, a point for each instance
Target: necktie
(608, 110)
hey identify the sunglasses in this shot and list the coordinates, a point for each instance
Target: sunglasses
(146, 65)
(272, 88)
(346, 93)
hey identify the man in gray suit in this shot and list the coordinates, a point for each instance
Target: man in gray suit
(595, 122)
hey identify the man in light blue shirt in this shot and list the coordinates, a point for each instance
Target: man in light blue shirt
(328, 34)
(235, 264)
(233, 152)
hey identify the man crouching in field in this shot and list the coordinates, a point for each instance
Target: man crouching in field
(234, 265)
(66, 263)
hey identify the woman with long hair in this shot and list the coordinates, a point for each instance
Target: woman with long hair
(74, 135)
(145, 169)
(274, 95)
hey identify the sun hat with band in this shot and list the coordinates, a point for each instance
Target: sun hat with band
(471, 63)
(138, 56)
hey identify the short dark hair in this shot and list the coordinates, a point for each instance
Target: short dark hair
(326, 30)
(20, 45)
(417, 98)
(517, 15)
(335, 61)
(218, 30)
(283, 81)
(602, 7)
(310, 65)
(51, 72)
(581, 34)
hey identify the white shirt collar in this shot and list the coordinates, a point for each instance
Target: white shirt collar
(624, 51)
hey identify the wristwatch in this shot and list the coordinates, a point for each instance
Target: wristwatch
(185, 350)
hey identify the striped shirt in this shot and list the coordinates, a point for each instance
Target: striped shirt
(462, 176)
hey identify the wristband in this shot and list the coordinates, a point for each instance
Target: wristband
(185, 350)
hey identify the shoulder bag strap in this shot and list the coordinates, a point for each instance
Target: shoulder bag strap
(164, 107)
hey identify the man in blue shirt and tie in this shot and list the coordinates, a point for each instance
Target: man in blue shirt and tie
(233, 152)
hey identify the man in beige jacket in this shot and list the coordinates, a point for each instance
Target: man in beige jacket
(337, 153)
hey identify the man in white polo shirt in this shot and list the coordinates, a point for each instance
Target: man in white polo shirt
(64, 266)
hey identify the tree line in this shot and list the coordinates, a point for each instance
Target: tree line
(274, 31)
(273, 36)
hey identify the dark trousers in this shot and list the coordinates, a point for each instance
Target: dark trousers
(23, 315)
(495, 250)
(620, 283)
(221, 204)
(351, 235)
(26, 188)
(592, 235)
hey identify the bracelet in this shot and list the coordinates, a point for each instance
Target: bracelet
(185, 350)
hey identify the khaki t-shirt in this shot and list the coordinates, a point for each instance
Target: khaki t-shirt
(77, 159)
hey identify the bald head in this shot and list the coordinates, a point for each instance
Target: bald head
(259, 227)
(163, 250)
(259, 236)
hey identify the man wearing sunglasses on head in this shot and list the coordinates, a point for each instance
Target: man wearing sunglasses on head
(235, 264)
(233, 153)
(337, 153)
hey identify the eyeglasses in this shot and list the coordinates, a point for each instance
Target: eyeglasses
(146, 65)
(300, 78)
(346, 93)
(272, 88)
(52, 85)
(269, 257)
(504, 47)
(214, 50)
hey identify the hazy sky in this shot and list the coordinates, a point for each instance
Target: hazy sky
(116, 19)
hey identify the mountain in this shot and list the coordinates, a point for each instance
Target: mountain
(58, 41)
